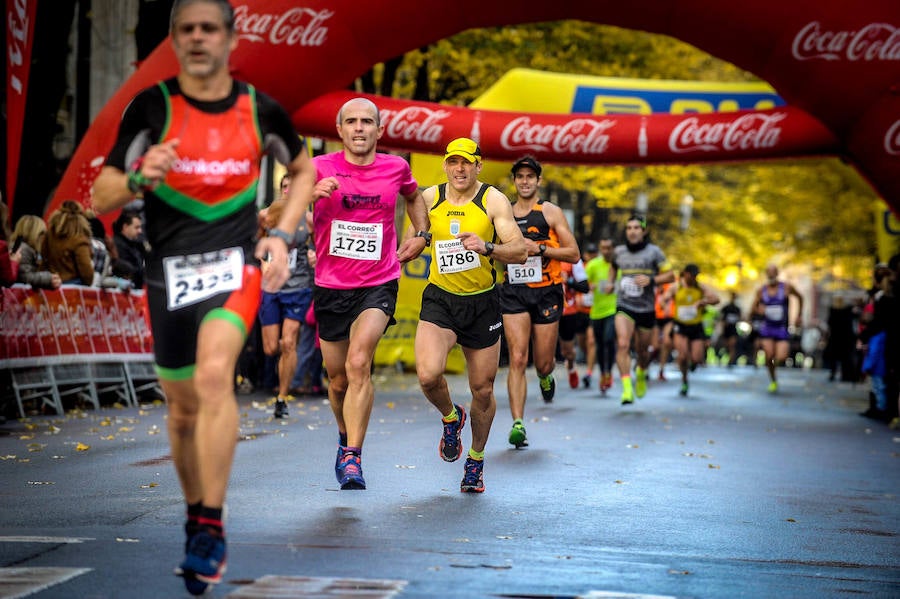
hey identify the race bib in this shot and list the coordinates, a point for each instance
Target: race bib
(357, 241)
(453, 257)
(194, 278)
(629, 288)
(686, 313)
(530, 272)
(775, 312)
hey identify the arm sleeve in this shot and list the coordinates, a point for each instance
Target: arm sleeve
(140, 128)
(280, 139)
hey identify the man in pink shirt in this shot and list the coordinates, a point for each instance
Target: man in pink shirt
(358, 268)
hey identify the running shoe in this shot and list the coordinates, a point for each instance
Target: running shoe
(573, 379)
(586, 380)
(548, 387)
(281, 409)
(450, 447)
(627, 397)
(606, 382)
(351, 476)
(204, 563)
(773, 387)
(684, 389)
(517, 434)
(473, 479)
(640, 385)
(337, 461)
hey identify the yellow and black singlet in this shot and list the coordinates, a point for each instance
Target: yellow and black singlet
(453, 268)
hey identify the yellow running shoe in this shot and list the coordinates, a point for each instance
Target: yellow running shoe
(640, 386)
(627, 392)
(773, 387)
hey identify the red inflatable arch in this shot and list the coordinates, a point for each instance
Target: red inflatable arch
(836, 64)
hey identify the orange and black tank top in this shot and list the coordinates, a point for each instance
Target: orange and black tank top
(535, 227)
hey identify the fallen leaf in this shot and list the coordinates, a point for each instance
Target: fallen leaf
(26, 437)
(149, 485)
(390, 405)
(791, 520)
(713, 467)
(82, 447)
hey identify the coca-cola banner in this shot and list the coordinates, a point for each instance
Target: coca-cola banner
(588, 139)
(835, 65)
(19, 38)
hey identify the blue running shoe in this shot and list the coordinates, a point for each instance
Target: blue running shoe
(204, 563)
(473, 481)
(450, 447)
(351, 476)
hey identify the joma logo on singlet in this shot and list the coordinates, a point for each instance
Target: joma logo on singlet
(354, 201)
(455, 213)
(199, 166)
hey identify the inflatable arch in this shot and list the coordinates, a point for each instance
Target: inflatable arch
(835, 63)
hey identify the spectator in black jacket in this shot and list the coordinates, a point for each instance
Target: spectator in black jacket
(128, 237)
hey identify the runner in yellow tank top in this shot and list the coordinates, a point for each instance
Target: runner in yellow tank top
(471, 226)
(690, 301)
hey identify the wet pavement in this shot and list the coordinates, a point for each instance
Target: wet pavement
(729, 492)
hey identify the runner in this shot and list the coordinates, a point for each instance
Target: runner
(772, 303)
(192, 145)
(690, 298)
(358, 268)
(473, 225)
(531, 298)
(643, 266)
(603, 312)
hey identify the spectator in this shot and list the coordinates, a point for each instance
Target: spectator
(9, 260)
(841, 344)
(67, 245)
(28, 236)
(128, 232)
(886, 319)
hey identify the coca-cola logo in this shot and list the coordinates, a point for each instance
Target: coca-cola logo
(294, 27)
(17, 41)
(748, 132)
(892, 139)
(578, 136)
(875, 41)
(415, 123)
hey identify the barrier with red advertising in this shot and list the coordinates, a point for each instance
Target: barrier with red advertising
(84, 323)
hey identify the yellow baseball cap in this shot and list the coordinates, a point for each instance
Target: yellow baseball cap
(465, 147)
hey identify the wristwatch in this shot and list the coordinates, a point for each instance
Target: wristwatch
(488, 248)
(426, 235)
(285, 237)
(542, 247)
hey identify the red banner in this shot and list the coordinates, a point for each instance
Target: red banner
(19, 40)
(587, 139)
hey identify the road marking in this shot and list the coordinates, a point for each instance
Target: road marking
(65, 540)
(22, 582)
(304, 586)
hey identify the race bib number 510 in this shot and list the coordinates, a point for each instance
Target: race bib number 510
(194, 278)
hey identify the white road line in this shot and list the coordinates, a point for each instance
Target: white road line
(23, 539)
(16, 583)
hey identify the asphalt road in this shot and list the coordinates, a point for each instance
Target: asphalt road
(730, 492)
